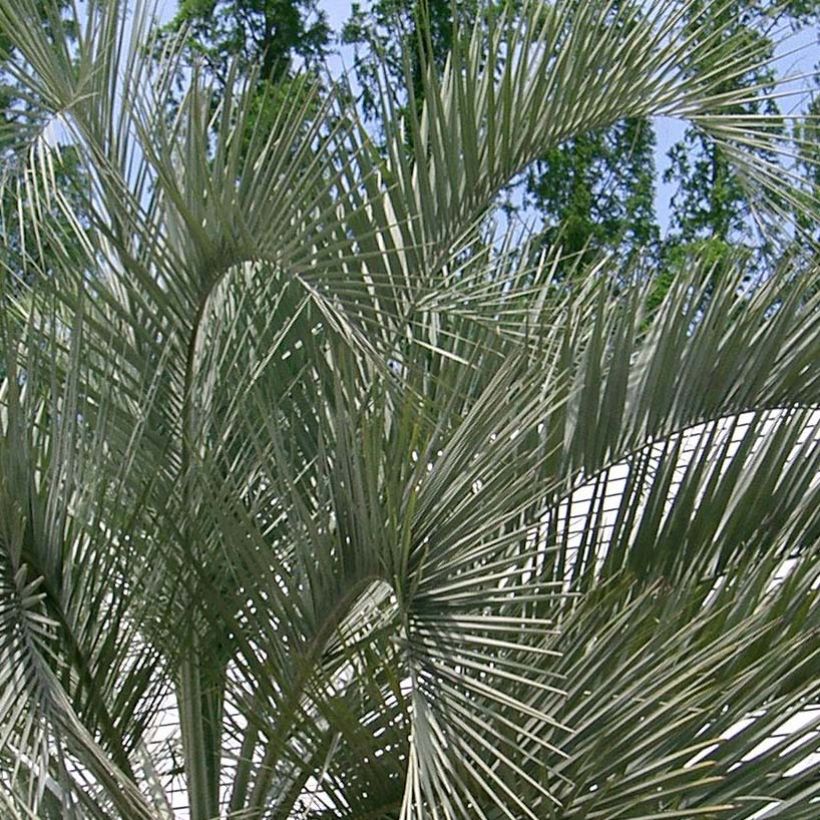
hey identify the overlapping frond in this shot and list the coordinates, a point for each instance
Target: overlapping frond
(392, 519)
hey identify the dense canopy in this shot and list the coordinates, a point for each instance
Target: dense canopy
(322, 496)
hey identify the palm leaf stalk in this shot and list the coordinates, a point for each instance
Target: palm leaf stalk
(315, 501)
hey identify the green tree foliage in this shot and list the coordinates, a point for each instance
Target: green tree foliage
(711, 201)
(315, 504)
(597, 191)
(274, 36)
(396, 41)
(279, 46)
(807, 138)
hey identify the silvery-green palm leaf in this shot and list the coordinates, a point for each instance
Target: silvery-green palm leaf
(320, 499)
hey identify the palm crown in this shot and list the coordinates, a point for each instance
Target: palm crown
(316, 500)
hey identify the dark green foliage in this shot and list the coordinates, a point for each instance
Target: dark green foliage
(384, 30)
(271, 35)
(807, 134)
(597, 191)
(710, 201)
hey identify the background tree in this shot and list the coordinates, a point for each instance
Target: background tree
(277, 37)
(807, 136)
(711, 201)
(395, 41)
(277, 44)
(598, 190)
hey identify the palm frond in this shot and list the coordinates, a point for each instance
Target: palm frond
(386, 518)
